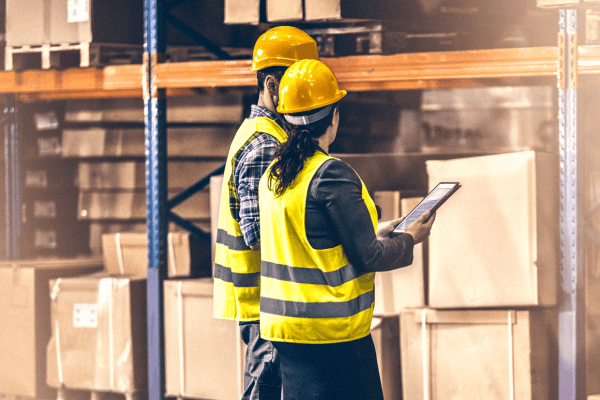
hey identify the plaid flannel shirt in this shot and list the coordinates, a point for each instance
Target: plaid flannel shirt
(249, 166)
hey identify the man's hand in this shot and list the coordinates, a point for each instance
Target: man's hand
(255, 246)
(420, 229)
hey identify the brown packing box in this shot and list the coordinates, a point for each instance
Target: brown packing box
(132, 175)
(386, 337)
(242, 12)
(37, 22)
(199, 141)
(25, 321)
(592, 352)
(226, 108)
(495, 243)
(216, 183)
(99, 340)
(131, 204)
(25, 13)
(127, 254)
(472, 354)
(403, 287)
(209, 351)
(290, 10)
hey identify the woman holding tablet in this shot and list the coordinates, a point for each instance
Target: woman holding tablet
(321, 248)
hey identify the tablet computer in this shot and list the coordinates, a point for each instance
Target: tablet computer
(431, 202)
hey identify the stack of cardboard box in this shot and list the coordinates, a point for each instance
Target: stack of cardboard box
(25, 325)
(477, 309)
(490, 325)
(99, 323)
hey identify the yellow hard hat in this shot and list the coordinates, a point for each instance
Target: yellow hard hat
(307, 85)
(283, 46)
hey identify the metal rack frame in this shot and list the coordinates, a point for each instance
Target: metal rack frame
(155, 81)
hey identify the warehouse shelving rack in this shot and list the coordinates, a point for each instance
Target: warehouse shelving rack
(154, 81)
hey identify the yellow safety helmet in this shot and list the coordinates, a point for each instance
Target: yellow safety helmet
(283, 46)
(307, 85)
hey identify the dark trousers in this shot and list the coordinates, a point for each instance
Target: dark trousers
(262, 376)
(336, 371)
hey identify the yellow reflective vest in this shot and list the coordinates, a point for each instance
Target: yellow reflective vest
(308, 295)
(237, 267)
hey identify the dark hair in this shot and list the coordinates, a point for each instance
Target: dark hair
(277, 72)
(290, 155)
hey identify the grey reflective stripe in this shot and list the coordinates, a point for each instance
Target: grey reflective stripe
(223, 273)
(239, 280)
(317, 310)
(309, 275)
(308, 119)
(232, 242)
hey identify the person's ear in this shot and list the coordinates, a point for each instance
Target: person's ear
(270, 84)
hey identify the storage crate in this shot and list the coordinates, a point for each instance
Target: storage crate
(99, 335)
(495, 243)
(25, 321)
(127, 253)
(204, 355)
(404, 287)
(475, 354)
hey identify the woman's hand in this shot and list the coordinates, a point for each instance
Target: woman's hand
(420, 229)
(384, 229)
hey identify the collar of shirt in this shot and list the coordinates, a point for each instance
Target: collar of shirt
(258, 111)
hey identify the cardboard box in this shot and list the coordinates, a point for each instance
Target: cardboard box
(386, 337)
(216, 183)
(126, 205)
(37, 22)
(226, 108)
(196, 142)
(290, 10)
(495, 243)
(403, 287)
(25, 321)
(425, 14)
(592, 353)
(132, 175)
(99, 335)
(242, 12)
(204, 355)
(127, 254)
(475, 353)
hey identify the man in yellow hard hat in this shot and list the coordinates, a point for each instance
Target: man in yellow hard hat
(237, 257)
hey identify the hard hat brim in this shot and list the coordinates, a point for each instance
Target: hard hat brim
(339, 95)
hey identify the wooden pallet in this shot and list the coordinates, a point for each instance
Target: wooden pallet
(4, 396)
(48, 56)
(66, 394)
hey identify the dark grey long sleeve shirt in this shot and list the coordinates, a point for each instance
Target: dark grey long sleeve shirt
(336, 214)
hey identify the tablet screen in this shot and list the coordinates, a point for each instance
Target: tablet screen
(434, 199)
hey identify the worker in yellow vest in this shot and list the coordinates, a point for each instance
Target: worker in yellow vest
(237, 256)
(320, 249)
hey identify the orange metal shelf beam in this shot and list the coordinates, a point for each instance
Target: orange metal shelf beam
(355, 73)
(378, 72)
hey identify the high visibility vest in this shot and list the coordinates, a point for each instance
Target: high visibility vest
(237, 267)
(308, 295)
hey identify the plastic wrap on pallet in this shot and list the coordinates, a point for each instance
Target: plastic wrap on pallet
(98, 338)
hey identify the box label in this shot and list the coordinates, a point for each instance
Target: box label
(45, 239)
(38, 179)
(49, 146)
(78, 10)
(85, 315)
(44, 209)
(46, 121)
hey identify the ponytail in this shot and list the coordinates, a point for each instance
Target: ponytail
(290, 155)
